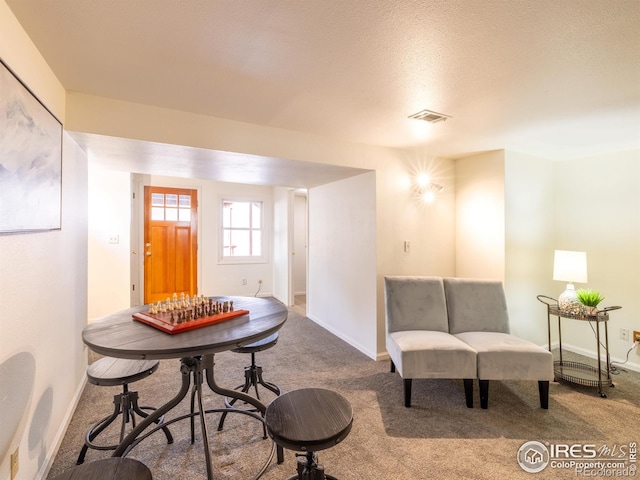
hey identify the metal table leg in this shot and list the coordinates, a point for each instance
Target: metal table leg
(200, 368)
(131, 440)
(210, 362)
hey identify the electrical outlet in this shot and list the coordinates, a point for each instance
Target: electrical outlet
(244, 280)
(15, 463)
(624, 334)
(636, 336)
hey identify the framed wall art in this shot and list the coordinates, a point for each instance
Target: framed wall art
(30, 159)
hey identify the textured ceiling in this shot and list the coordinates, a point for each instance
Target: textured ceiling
(559, 79)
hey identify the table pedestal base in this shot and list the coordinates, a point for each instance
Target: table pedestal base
(195, 371)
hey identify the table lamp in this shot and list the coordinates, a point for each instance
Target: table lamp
(569, 267)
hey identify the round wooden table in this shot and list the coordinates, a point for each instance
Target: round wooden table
(120, 335)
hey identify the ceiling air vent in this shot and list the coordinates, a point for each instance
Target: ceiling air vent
(429, 116)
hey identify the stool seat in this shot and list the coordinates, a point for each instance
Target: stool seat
(309, 419)
(258, 346)
(112, 468)
(108, 371)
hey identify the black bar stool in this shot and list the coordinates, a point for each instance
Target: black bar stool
(110, 372)
(112, 468)
(308, 420)
(253, 374)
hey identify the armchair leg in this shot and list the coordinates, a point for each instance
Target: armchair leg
(407, 392)
(543, 388)
(468, 391)
(484, 393)
(393, 367)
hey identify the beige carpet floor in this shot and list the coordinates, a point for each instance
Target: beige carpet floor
(437, 438)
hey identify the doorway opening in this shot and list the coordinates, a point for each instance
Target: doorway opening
(300, 251)
(170, 242)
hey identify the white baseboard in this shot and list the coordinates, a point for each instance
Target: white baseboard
(51, 455)
(341, 336)
(629, 365)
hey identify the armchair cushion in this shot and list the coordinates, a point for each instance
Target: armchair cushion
(415, 303)
(476, 305)
(431, 354)
(505, 357)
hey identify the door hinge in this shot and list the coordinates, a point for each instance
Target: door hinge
(134, 287)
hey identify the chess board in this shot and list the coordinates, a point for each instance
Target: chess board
(162, 321)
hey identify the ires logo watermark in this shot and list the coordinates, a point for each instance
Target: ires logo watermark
(533, 457)
(586, 459)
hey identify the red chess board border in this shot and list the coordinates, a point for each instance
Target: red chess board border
(162, 321)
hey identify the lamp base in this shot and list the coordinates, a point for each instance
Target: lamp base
(568, 301)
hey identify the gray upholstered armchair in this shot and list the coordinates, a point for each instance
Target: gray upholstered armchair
(458, 328)
(477, 311)
(418, 339)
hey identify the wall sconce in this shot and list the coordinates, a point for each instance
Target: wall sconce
(427, 190)
(569, 267)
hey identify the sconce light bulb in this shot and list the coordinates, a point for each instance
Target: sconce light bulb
(428, 196)
(423, 180)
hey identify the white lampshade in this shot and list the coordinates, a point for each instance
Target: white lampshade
(570, 266)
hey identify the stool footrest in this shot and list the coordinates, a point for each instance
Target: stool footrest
(252, 378)
(125, 404)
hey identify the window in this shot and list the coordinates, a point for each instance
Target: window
(170, 207)
(242, 231)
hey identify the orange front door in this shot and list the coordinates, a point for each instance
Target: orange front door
(170, 241)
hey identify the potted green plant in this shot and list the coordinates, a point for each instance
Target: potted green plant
(590, 300)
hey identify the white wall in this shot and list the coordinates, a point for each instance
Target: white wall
(109, 265)
(529, 243)
(342, 260)
(505, 230)
(480, 216)
(282, 210)
(587, 204)
(401, 215)
(597, 210)
(43, 295)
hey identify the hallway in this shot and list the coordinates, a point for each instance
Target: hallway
(300, 305)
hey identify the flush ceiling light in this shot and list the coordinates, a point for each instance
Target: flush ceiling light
(429, 116)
